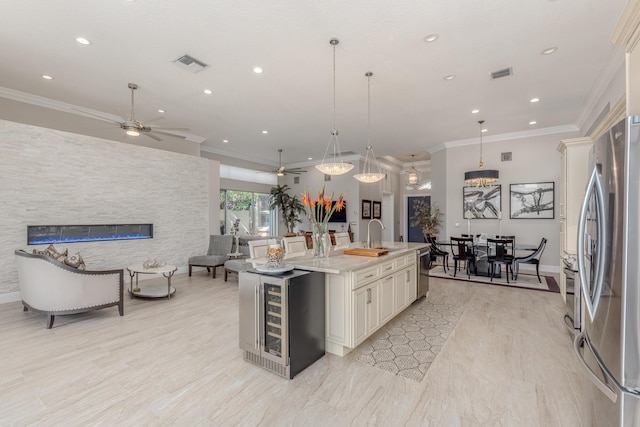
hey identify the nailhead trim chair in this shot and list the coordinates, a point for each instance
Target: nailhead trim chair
(51, 287)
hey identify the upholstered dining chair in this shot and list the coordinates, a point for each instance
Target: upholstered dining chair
(463, 252)
(532, 258)
(294, 246)
(342, 240)
(500, 252)
(258, 249)
(437, 252)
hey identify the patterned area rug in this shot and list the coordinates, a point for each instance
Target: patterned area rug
(408, 344)
(526, 281)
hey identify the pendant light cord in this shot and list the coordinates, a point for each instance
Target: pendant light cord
(334, 87)
(481, 162)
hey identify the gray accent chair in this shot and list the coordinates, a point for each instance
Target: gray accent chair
(51, 287)
(219, 248)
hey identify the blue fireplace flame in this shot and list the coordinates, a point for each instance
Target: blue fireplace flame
(49, 234)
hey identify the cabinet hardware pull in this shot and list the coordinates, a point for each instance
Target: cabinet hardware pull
(368, 275)
(369, 296)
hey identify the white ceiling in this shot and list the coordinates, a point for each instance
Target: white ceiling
(413, 108)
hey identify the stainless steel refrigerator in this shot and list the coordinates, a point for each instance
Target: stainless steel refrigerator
(608, 263)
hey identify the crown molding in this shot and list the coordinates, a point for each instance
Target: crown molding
(506, 137)
(626, 31)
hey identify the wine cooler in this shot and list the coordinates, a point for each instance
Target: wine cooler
(282, 320)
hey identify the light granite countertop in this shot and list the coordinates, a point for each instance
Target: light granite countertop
(338, 262)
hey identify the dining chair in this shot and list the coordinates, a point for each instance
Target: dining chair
(295, 246)
(437, 252)
(501, 252)
(258, 249)
(463, 252)
(342, 240)
(532, 258)
(508, 238)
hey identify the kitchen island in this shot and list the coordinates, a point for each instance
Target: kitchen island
(363, 293)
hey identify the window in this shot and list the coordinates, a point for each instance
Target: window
(252, 209)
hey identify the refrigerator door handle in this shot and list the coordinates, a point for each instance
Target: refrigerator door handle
(594, 187)
(259, 316)
(603, 387)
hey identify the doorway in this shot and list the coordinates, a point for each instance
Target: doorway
(414, 234)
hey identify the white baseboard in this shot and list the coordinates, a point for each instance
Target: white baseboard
(10, 297)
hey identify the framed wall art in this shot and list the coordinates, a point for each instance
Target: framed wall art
(377, 210)
(366, 209)
(532, 201)
(481, 202)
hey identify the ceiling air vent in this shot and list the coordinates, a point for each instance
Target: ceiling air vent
(190, 63)
(501, 73)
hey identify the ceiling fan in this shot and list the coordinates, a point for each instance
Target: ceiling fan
(133, 127)
(282, 171)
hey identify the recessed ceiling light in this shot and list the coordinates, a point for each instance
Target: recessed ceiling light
(449, 77)
(47, 77)
(532, 122)
(430, 38)
(485, 129)
(265, 131)
(82, 40)
(309, 158)
(549, 50)
(476, 111)
(534, 100)
(226, 141)
(160, 110)
(257, 70)
(208, 91)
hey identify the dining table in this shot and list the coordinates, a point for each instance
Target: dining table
(482, 250)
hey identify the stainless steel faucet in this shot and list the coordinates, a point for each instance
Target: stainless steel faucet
(369, 230)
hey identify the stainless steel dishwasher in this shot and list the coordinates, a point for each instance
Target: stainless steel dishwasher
(423, 264)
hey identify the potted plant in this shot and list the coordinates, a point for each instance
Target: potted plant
(290, 206)
(426, 217)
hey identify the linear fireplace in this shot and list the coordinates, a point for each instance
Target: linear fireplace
(46, 234)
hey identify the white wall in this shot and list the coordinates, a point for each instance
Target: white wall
(54, 177)
(534, 159)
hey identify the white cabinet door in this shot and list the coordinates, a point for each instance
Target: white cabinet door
(411, 286)
(360, 315)
(386, 299)
(401, 292)
(373, 307)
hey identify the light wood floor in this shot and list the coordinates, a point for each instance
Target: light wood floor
(508, 362)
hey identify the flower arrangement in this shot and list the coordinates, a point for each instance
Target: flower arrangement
(320, 210)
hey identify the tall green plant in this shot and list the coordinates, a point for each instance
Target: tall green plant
(290, 206)
(426, 217)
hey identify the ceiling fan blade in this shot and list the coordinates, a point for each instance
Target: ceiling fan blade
(99, 116)
(168, 133)
(159, 128)
(152, 136)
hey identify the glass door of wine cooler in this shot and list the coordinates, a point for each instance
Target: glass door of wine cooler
(275, 346)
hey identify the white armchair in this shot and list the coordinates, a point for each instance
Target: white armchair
(51, 287)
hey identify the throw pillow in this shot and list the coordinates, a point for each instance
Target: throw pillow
(52, 252)
(75, 261)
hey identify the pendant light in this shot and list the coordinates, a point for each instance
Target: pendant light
(413, 177)
(367, 176)
(336, 166)
(481, 177)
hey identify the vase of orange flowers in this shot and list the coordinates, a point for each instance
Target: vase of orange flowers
(320, 210)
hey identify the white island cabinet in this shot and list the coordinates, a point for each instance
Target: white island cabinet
(363, 293)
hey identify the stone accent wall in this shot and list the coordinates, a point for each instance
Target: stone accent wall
(53, 177)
